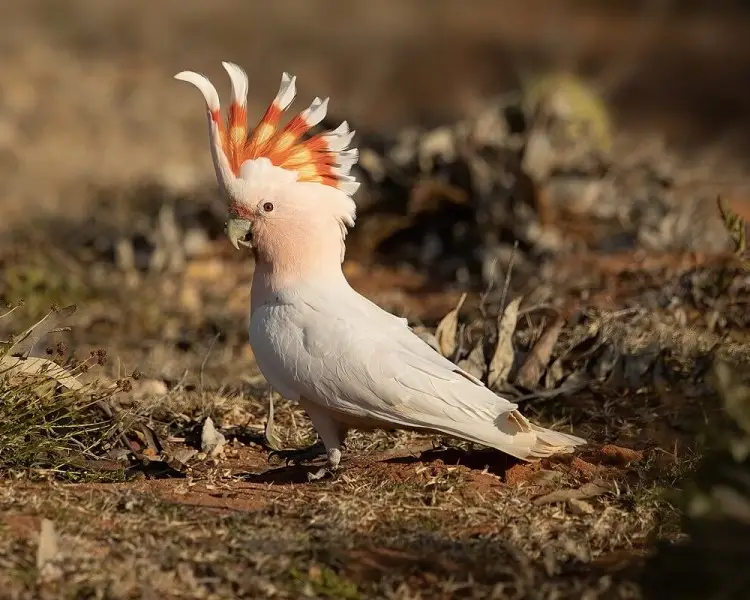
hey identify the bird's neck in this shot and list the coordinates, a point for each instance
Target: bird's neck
(270, 279)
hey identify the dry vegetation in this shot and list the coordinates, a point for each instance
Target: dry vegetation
(545, 240)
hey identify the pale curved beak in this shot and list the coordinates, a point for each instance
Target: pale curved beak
(239, 232)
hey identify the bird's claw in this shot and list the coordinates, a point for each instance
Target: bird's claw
(298, 456)
(320, 474)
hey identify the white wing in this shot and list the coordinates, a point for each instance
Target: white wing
(366, 363)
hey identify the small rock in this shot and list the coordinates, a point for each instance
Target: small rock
(617, 455)
(150, 387)
(47, 551)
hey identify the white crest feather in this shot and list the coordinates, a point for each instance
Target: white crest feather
(349, 187)
(239, 80)
(287, 91)
(316, 112)
(347, 158)
(338, 141)
(204, 85)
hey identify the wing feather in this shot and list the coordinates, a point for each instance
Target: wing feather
(355, 359)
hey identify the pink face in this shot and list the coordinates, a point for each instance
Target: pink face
(294, 230)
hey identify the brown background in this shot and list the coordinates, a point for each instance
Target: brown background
(86, 94)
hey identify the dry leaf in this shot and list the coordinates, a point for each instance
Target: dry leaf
(36, 367)
(475, 364)
(587, 490)
(150, 439)
(180, 458)
(502, 359)
(212, 441)
(531, 371)
(447, 330)
(580, 507)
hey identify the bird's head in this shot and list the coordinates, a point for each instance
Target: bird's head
(289, 193)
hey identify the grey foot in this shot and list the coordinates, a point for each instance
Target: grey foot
(319, 474)
(332, 465)
(299, 456)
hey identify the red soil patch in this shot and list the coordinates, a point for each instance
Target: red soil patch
(619, 456)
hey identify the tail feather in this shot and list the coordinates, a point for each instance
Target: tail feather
(513, 434)
(531, 442)
(557, 439)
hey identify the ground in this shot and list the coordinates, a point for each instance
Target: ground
(108, 204)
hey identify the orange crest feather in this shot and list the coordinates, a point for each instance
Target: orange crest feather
(322, 158)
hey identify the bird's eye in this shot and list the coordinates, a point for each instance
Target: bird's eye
(268, 206)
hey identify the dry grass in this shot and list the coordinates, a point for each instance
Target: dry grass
(402, 519)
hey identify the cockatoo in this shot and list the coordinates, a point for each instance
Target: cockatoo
(346, 361)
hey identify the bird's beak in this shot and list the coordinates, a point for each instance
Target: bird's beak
(239, 232)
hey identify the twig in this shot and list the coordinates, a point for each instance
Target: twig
(205, 358)
(506, 283)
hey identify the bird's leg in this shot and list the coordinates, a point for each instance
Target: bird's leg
(331, 434)
(299, 455)
(332, 463)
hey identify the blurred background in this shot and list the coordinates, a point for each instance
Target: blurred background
(87, 96)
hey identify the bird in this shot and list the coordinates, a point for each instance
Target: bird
(346, 361)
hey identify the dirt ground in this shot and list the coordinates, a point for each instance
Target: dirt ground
(95, 138)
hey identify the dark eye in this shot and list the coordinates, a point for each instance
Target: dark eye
(268, 206)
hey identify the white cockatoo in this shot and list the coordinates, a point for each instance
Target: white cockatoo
(346, 361)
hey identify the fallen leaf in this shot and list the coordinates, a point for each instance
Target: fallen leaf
(580, 507)
(502, 359)
(587, 490)
(149, 439)
(475, 364)
(212, 440)
(447, 330)
(181, 457)
(531, 371)
(38, 367)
